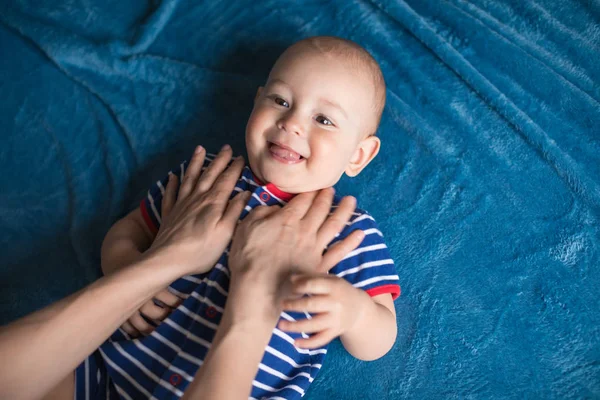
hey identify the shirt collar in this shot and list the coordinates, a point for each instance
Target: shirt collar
(285, 196)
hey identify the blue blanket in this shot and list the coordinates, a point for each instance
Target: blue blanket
(487, 187)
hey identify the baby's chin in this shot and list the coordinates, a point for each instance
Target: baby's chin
(285, 181)
(288, 179)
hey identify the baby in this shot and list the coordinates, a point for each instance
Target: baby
(314, 120)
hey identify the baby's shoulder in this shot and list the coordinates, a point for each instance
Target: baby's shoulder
(360, 219)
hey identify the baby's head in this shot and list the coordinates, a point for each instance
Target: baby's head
(317, 115)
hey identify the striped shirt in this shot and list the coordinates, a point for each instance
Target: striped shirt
(162, 364)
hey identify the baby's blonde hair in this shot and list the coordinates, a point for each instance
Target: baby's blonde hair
(359, 58)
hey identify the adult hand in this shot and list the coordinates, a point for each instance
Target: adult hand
(273, 243)
(268, 245)
(201, 220)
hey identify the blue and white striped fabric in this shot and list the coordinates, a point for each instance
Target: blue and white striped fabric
(161, 365)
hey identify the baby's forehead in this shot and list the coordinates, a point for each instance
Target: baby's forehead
(312, 61)
(351, 59)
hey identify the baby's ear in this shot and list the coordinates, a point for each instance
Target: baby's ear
(258, 92)
(365, 152)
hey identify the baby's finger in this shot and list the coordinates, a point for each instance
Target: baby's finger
(311, 304)
(315, 324)
(336, 221)
(130, 329)
(141, 324)
(170, 195)
(311, 284)
(167, 298)
(339, 250)
(317, 340)
(192, 172)
(214, 170)
(235, 208)
(154, 313)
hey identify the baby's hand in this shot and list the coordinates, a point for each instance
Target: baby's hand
(151, 314)
(336, 303)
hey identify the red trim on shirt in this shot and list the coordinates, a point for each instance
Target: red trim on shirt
(394, 290)
(147, 218)
(279, 193)
(274, 189)
(255, 179)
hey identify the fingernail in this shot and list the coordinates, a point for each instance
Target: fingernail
(199, 149)
(226, 147)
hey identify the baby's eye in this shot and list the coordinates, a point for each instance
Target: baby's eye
(324, 121)
(282, 102)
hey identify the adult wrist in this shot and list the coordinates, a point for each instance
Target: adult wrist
(253, 300)
(163, 260)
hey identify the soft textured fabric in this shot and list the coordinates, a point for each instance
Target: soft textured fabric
(490, 165)
(161, 365)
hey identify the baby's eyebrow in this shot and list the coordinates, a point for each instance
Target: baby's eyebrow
(335, 105)
(276, 81)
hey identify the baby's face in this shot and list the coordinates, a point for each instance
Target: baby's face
(308, 121)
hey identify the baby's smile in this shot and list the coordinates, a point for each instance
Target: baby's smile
(284, 154)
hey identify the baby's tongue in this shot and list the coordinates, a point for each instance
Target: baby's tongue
(286, 154)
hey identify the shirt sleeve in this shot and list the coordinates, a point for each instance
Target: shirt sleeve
(151, 205)
(370, 266)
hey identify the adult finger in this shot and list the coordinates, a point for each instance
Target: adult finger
(311, 304)
(235, 208)
(192, 172)
(261, 212)
(167, 298)
(226, 181)
(320, 209)
(336, 221)
(170, 196)
(315, 324)
(216, 167)
(297, 208)
(130, 329)
(339, 250)
(317, 340)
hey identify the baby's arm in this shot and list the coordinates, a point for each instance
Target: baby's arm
(366, 325)
(125, 242)
(374, 331)
(354, 301)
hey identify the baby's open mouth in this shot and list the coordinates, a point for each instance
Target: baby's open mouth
(284, 153)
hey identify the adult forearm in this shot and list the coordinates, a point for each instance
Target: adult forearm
(48, 344)
(251, 312)
(232, 363)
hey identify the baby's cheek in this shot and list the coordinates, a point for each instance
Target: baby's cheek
(326, 170)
